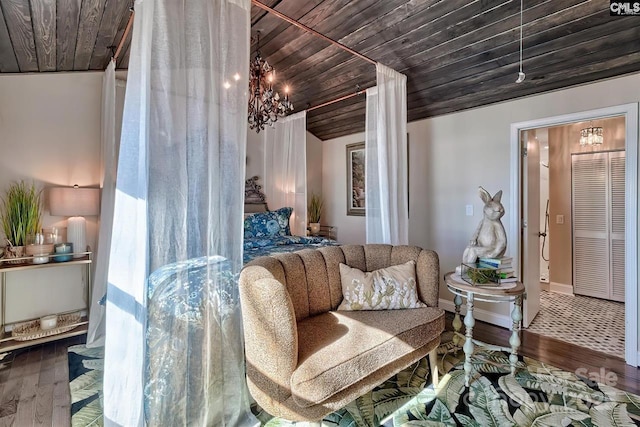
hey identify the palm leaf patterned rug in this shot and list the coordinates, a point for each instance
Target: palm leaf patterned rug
(86, 366)
(538, 395)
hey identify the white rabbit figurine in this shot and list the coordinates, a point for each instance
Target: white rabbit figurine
(489, 239)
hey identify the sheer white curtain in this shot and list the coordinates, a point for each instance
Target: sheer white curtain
(285, 168)
(387, 208)
(173, 351)
(109, 154)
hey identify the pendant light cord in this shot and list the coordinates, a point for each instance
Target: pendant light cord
(521, 75)
(521, 7)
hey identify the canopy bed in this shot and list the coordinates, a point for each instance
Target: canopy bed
(174, 327)
(178, 296)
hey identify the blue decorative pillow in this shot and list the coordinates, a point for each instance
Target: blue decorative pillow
(268, 224)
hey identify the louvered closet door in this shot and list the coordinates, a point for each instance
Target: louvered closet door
(617, 215)
(589, 178)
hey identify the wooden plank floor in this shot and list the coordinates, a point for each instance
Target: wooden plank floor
(34, 382)
(594, 365)
(34, 385)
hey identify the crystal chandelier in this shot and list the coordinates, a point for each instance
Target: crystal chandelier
(591, 136)
(265, 104)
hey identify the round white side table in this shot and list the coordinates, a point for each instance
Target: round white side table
(494, 294)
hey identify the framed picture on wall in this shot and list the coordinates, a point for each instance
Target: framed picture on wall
(356, 179)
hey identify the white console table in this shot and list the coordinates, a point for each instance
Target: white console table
(7, 342)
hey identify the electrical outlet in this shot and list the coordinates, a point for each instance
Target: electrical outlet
(469, 210)
(559, 219)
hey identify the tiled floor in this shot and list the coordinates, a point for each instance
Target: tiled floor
(584, 321)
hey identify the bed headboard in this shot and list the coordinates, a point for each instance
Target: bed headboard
(254, 198)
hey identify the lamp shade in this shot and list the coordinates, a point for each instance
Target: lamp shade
(72, 201)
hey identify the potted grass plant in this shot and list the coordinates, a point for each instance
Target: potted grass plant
(314, 211)
(20, 216)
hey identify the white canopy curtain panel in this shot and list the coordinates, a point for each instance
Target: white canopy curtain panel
(95, 334)
(285, 168)
(174, 348)
(387, 207)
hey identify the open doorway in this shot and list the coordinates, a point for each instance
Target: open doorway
(528, 169)
(581, 248)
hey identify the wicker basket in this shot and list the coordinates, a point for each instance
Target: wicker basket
(14, 252)
(32, 331)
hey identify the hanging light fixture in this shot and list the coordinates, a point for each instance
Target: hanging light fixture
(591, 136)
(521, 75)
(265, 104)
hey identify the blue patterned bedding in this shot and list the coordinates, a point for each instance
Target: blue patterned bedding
(256, 247)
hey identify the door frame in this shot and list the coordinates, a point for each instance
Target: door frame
(630, 112)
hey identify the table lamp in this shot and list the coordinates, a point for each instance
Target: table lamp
(75, 203)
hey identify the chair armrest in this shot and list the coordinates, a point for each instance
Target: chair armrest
(270, 332)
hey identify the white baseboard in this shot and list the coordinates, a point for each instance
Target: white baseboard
(544, 286)
(561, 288)
(478, 313)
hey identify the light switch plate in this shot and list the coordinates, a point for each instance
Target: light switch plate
(469, 210)
(559, 219)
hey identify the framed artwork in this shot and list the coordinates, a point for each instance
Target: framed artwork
(356, 179)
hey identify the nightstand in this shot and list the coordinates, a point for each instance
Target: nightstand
(326, 231)
(509, 292)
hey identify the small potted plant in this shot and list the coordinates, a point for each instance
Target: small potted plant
(20, 216)
(314, 213)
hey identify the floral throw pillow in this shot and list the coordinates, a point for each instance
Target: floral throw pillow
(389, 288)
(268, 224)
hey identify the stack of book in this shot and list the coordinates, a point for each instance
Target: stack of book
(501, 266)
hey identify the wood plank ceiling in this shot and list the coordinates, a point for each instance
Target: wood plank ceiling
(61, 35)
(457, 54)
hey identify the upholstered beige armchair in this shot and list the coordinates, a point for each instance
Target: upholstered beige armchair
(304, 359)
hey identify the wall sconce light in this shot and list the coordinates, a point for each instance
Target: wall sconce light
(75, 203)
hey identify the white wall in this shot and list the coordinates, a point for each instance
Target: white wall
(49, 133)
(450, 156)
(351, 229)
